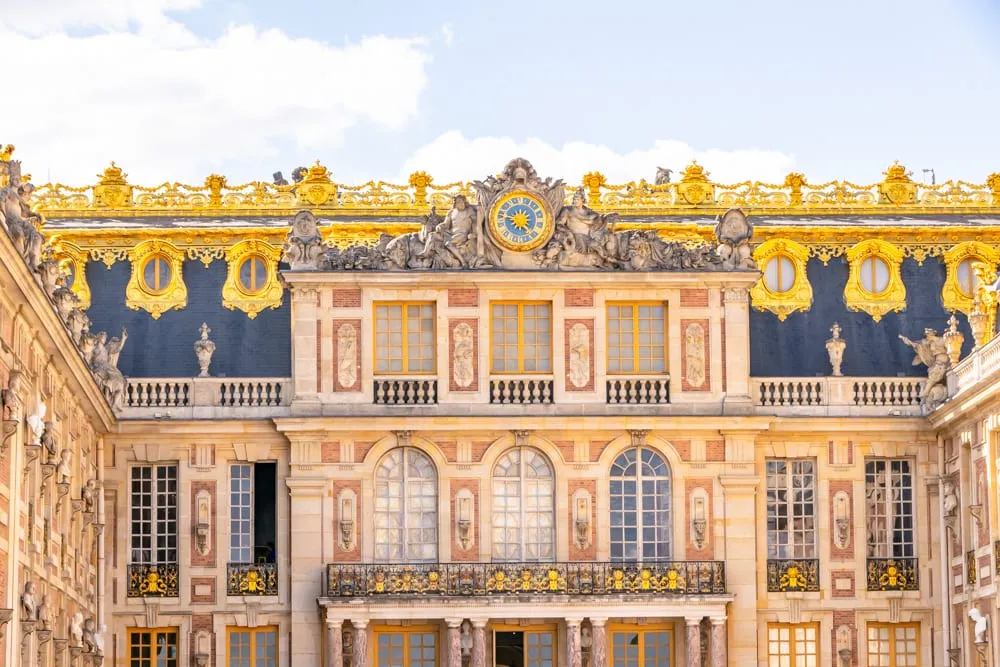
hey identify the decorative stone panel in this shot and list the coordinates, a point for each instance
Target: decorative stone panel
(347, 298)
(850, 549)
(203, 590)
(197, 558)
(579, 298)
(694, 298)
(842, 584)
(463, 353)
(466, 297)
(201, 623)
(691, 551)
(579, 352)
(352, 555)
(588, 552)
(347, 350)
(695, 352)
(470, 554)
(982, 496)
(847, 620)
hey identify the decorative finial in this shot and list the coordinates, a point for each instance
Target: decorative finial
(953, 340)
(204, 349)
(205, 330)
(835, 349)
(113, 175)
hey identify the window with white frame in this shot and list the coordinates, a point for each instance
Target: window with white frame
(791, 509)
(406, 507)
(889, 507)
(153, 497)
(640, 506)
(252, 511)
(523, 507)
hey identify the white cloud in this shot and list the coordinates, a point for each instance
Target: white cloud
(165, 103)
(448, 34)
(453, 157)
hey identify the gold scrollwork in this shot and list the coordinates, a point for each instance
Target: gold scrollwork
(157, 282)
(252, 280)
(961, 260)
(73, 261)
(796, 295)
(874, 284)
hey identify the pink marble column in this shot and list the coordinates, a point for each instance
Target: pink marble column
(334, 643)
(360, 643)
(573, 655)
(478, 642)
(599, 647)
(693, 642)
(454, 642)
(720, 642)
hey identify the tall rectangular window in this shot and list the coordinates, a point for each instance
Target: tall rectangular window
(153, 496)
(893, 644)
(257, 647)
(252, 513)
(889, 506)
(521, 337)
(636, 647)
(636, 339)
(791, 509)
(406, 648)
(791, 645)
(153, 648)
(404, 338)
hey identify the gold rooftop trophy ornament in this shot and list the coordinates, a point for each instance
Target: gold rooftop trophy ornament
(933, 353)
(520, 222)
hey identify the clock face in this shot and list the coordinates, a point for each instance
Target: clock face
(520, 221)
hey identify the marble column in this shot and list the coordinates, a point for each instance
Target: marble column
(360, 643)
(454, 642)
(573, 654)
(719, 646)
(334, 643)
(693, 641)
(479, 642)
(599, 647)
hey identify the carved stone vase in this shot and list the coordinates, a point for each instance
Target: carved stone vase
(835, 349)
(204, 349)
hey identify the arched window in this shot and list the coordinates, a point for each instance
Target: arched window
(523, 507)
(640, 506)
(405, 507)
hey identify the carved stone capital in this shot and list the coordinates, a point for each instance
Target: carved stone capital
(521, 438)
(735, 295)
(638, 437)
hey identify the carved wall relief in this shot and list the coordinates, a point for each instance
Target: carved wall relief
(841, 520)
(347, 355)
(462, 356)
(694, 355)
(579, 355)
(203, 524)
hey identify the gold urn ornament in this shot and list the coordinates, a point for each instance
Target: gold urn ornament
(953, 340)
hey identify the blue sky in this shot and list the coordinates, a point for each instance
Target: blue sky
(836, 90)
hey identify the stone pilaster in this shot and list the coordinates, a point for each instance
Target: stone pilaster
(305, 335)
(719, 649)
(334, 643)
(741, 564)
(693, 642)
(736, 306)
(454, 642)
(360, 643)
(599, 647)
(307, 549)
(479, 642)
(574, 655)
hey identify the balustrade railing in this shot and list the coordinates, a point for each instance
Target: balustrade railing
(207, 392)
(838, 392)
(406, 391)
(638, 389)
(792, 575)
(514, 579)
(980, 364)
(892, 574)
(158, 580)
(158, 393)
(250, 393)
(252, 579)
(523, 390)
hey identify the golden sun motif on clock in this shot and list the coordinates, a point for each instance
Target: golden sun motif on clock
(520, 221)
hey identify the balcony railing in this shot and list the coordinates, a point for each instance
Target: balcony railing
(892, 574)
(514, 579)
(152, 581)
(976, 367)
(638, 389)
(252, 579)
(406, 391)
(190, 396)
(520, 389)
(838, 395)
(786, 576)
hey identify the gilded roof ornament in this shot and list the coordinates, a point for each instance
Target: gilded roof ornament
(695, 188)
(897, 188)
(6, 152)
(316, 188)
(113, 175)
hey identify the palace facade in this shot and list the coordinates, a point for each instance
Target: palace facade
(507, 422)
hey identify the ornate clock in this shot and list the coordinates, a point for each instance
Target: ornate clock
(520, 221)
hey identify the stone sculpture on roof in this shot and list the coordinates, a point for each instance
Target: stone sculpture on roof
(933, 353)
(521, 221)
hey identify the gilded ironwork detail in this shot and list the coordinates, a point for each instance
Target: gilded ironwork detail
(799, 295)
(787, 576)
(876, 302)
(996, 556)
(971, 568)
(153, 581)
(263, 291)
(892, 574)
(250, 579)
(165, 292)
(466, 579)
(952, 294)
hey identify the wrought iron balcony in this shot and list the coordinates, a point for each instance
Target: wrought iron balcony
(796, 575)
(252, 579)
(152, 581)
(892, 574)
(517, 579)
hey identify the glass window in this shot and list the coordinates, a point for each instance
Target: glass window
(791, 509)
(153, 496)
(792, 645)
(405, 507)
(253, 274)
(636, 339)
(889, 505)
(779, 274)
(256, 647)
(156, 274)
(893, 644)
(153, 648)
(404, 338)
(406, 649)
(874, 275)
(523, 507)
(640, 506)
(641, 648)
(521, 338)
(539, 649)
(241, 513)
(968, 281)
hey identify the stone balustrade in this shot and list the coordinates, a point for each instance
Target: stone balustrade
(838, 396)
(194, 398)
(981, 364)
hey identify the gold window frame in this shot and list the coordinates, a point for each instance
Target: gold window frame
(72, 257)
(172, 296)
(253, 641)
(405, 344)
(154, 634)
(406, 631)
(799, 296)
(235, 296)
(635, 337)
(892, 639)
(612, 628)
(520, 337)
(893, 297)
(792, 655)
(952, 296)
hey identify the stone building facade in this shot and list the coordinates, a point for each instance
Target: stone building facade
(609, 427)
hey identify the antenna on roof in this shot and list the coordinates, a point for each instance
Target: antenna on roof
(933, 178)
